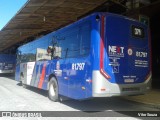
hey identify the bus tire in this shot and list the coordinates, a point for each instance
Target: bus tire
(53, 90)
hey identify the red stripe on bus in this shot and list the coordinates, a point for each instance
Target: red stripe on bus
(102, 50)
(42, 76)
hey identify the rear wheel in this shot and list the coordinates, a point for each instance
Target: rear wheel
(53, 90)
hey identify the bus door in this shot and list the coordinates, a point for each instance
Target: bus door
(126, 50)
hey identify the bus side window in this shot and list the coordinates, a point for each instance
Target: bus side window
(69, 47)
(42, 54)
(85, 39)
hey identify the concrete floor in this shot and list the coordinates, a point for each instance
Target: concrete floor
(13, 97)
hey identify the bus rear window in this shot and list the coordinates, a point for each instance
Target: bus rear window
(137, 31)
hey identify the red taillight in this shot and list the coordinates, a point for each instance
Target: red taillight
(102, 51)
(104, 74)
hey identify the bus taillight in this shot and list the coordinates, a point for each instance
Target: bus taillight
(148, 76)
(104, 74)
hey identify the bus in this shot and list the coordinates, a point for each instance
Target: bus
(101, 55)
(7, 63)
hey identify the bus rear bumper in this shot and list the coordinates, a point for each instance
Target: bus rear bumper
(101, 87)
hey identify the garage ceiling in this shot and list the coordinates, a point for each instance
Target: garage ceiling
(39, 16)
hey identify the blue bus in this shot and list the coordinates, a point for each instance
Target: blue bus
(101, 55)
(7, 63)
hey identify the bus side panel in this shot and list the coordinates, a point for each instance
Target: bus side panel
(39, 77)
(73, 76)
(58, 68)
(73, 71)
(79, 77)
(35, 75)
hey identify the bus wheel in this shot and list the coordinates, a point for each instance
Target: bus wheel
(53, 90)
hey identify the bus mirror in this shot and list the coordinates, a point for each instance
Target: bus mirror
(55, 51)
(49, 49)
